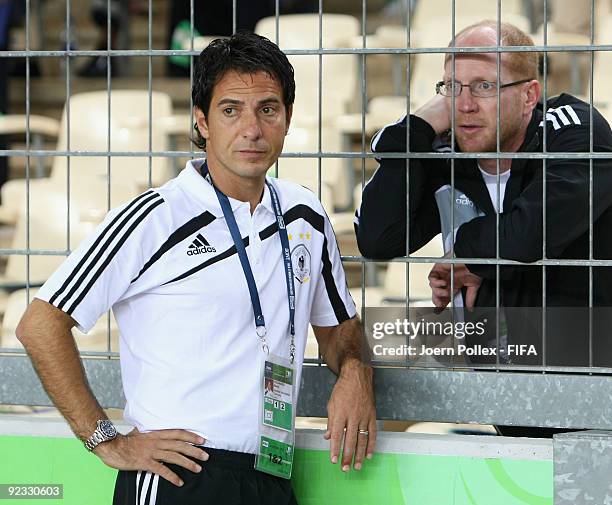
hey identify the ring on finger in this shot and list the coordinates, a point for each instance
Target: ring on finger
(364, 432)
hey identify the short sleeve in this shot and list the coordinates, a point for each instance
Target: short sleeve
(332, 304)
(99, 271)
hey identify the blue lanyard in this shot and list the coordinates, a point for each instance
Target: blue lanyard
(228, 214)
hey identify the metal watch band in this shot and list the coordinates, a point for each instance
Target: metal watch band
(92, 442)
(104, 432)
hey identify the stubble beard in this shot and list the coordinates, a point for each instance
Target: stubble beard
(488, 143)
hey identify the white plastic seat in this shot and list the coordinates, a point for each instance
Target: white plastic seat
(95, 340)
(339, 72)
(382, 110)
(128, 126)
(305, 171)
(602, 91)
(301, 31)
(393, 290)
(47, 225)
(78, 198)
(89, 132)
(440, 9)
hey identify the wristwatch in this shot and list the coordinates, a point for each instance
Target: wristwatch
(104, 432)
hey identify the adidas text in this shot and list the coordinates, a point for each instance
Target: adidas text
(200, 246)
(201, 250)
(464, 200)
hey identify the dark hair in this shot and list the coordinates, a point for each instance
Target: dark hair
(243, 52)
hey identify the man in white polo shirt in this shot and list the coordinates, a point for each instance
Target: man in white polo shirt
(213, 279)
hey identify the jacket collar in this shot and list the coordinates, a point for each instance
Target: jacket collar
(530, 144)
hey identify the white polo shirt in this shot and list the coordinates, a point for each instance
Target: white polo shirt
(166, 264)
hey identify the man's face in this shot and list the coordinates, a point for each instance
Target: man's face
(246, 124)
(475, 117)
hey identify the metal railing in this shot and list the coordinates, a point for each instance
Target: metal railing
(530, 395)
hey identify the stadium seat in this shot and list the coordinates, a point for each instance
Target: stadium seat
(339, 72)
(602, 94)
(426, 10)
(86, 116)
(304, 171)
(95, 340)
(433, 31)
(78, 198)
(393, 290)
(46, 228)
(382, 110)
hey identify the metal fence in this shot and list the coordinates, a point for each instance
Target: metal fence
(458, 392)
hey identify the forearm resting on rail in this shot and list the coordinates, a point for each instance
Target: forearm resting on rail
(342, 345)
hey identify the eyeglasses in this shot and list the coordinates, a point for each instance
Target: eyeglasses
(482, 89)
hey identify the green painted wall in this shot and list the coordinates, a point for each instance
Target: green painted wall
(389, 479)
(410, 479)
(43, 460)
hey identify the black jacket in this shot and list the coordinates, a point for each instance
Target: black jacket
(381, 228)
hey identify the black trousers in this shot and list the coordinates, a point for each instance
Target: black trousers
(227, 478)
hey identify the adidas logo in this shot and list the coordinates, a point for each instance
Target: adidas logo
(200, 246)
(464, 200)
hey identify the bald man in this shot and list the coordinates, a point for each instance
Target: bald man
(516, 197)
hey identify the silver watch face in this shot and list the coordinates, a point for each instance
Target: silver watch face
(108, 429)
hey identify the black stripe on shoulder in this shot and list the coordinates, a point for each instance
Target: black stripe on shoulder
(225, 254)
(120, 227)
(317, 221)
(137, 202)
(330, 286)
(180, 234)
(293, 214)
(300, 211)
(112, 255)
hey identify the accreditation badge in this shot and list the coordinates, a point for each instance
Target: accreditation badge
(277, 417)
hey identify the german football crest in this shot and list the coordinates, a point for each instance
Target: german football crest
(300, 260)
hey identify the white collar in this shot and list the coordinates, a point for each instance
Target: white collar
(192, 181)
